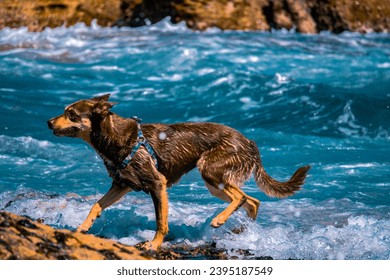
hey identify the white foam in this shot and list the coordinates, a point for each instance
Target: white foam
(164, 77)
(74, 43)
(167, 26)
(351, 166)
(205, 71)
(384, 65)
(245, 99)
(357, 240)
(108, 68)
(282, 79)
(248, 103)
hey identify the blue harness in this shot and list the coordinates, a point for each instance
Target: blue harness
(141, 141)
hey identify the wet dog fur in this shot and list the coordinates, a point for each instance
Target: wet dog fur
(224, 157)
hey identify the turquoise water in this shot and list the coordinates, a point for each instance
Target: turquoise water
(305, 99)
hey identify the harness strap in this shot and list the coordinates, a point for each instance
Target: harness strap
(141, 141)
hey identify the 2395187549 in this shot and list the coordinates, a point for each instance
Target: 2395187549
(240, 270)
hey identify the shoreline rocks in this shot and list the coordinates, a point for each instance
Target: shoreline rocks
(21, 238)
(38, 14)
(306, 16)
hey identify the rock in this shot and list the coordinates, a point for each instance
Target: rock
(237, 15)
(351, 15)
(23, 238)
(198, 14)
(307, 16)
(38, 14)
(141, 12)
(207, 251)
(289, 14)
(302, 17)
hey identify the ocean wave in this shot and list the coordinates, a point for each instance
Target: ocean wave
(47, 166)
(27, 146)
(324, 85)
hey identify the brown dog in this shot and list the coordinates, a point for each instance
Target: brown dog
(152, 157)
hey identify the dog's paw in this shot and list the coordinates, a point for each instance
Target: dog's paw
(217, 222)
(148, 246)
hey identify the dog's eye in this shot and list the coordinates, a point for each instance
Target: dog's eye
(72, 115)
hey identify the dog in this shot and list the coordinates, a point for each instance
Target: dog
(153, 157)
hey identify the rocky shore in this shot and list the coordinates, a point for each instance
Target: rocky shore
(306, 16)
(22, 238)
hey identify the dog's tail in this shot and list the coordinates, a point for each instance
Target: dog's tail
(272, 187)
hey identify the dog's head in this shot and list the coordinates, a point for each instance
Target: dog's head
(77, 119)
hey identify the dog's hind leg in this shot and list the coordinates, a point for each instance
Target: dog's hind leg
(225, 172)
(237, 199)
(115, 193)
(251, 204)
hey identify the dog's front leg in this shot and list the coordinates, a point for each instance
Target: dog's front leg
(160, 201)
(115, 193)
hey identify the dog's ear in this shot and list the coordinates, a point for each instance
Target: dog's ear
(103, 107)
(101, 98)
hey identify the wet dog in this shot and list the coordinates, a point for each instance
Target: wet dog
(152, 157)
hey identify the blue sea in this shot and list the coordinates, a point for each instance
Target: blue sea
(305, 99)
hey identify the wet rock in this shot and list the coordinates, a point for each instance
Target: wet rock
(207, 251)
(236, 15)
(351, 15)
(38, 14)
(306, 16)
(23, 238)
(136, 13)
